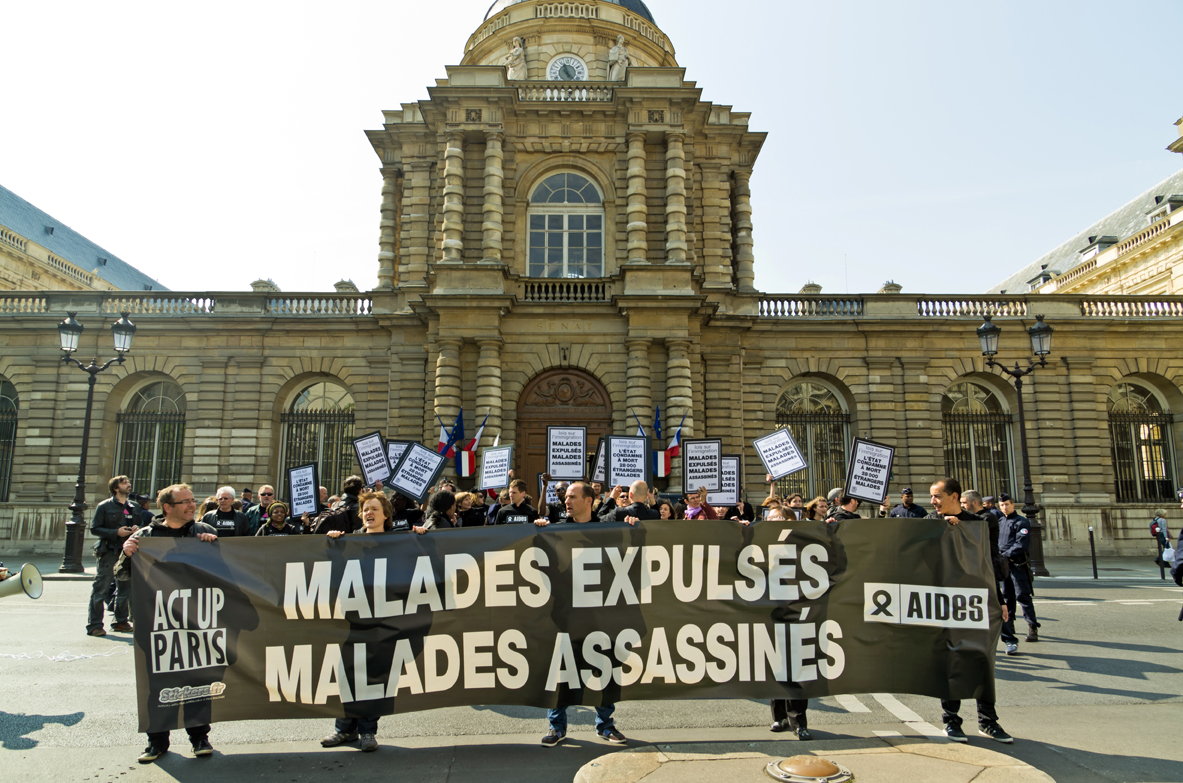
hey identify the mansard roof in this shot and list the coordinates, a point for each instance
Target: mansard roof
(33, 224)
(1121, 223)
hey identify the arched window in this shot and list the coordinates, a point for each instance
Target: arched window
(152, 437)
(566, 218)
(8, 409)
(976, 431)
(318, 428)
(1140, 434)
(820, 424)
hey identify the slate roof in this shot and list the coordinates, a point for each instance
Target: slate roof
(636, 6)
(1122, 223)
(30, 222)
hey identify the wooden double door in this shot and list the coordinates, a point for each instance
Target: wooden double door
(557, 398)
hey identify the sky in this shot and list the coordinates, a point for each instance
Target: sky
(941, 145)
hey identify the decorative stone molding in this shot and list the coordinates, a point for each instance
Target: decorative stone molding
(745, 260)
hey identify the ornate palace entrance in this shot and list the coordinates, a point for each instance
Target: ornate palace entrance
(557, 398)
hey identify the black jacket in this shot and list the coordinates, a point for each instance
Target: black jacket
(638, 510)
(903, 512)
(1014, 538)
(841, 513)
(109, 516)
(516, 515)
(344, 518)
(1176, 568)
(123, 565)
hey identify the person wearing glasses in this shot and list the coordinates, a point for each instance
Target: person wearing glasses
(257, 515)
(177, 521)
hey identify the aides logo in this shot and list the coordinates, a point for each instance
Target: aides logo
(942, 607)
(185, 632)
(192, 693)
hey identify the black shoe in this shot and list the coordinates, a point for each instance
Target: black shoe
(123, 627)
(151, 753)
(337, 738)
(955, 733)
(803, 734)
(369, 743)
(552, 738)
(96, 632)
(779, 726)
(1032, 634)
(612, 735)
(994, 732)
(202, 748)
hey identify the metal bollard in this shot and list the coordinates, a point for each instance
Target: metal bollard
(1093, 549)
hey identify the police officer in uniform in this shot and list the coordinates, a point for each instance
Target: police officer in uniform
(115, 519)
(1014, 542)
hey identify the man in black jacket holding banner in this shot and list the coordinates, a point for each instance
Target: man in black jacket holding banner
(946, 502)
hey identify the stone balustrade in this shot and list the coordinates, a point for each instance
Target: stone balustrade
(809, 306)
(565, 291)
(905, 306)
(580, 92)
(238, 304)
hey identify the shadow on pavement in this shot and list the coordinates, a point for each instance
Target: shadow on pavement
(15, 728)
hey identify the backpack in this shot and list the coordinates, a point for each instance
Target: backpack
(1154, 529)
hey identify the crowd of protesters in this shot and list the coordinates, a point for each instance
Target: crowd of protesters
(121, 522)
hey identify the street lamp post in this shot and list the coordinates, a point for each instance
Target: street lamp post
(1041, 345)
(69, 332)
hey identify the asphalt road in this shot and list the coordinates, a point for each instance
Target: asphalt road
(1098, 699)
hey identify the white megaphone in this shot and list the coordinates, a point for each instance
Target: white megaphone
(27, 579)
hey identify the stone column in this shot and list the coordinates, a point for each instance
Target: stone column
(493, 209)
(454, 200)
(638, 212)
(675, 199)
(716, 231)
(638, 398)
(415, 230)
(392, 190)
(745, 259)
(209, 463)
(679, 397)
(447, 380)
(488, 387)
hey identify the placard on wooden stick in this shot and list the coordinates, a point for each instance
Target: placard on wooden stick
(870, 470)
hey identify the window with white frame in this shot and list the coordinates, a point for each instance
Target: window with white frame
(566, 228)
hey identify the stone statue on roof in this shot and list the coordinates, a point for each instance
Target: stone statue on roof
(515, 61)
(618, 61)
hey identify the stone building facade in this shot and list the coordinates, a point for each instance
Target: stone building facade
(565, 247)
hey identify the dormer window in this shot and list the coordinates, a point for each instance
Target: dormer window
(1163, 207)
(566, 219)
(1096, 246)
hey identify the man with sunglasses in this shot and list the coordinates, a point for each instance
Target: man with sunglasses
(257, 516)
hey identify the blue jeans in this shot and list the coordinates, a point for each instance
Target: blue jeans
(359, 725)
(558, 718)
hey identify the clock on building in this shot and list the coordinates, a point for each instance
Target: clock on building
(567, 68)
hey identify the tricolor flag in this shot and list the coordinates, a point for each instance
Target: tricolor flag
(640, 427)
(466, 457)
(663, 459)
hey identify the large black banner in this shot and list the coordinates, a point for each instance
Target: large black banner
(368, 625)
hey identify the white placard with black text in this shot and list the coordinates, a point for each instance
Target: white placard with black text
(729, 494)
(870, 470)
(626, 460)
(303, 490)
(417, 471)
(566, 452)
(371, 455)
(495, 466)
(779, 453)
(701, 465)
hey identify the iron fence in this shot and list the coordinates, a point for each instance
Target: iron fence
(150, 449)
(321, 437)
(1142, 461)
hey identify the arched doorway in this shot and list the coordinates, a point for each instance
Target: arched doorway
(557, 398)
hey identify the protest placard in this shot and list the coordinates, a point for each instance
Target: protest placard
(417, 471)
(870, 470)
(495, 466)
(728, 495)
(566, 452)
(304, 490)
(779, 453)
(701, 465)
(548, 494)
(598, 472)
(371, 455)
(626, 460)
(394, 451)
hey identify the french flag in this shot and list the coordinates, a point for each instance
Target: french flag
(466, 457)
(448, 440)
(663, 459)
